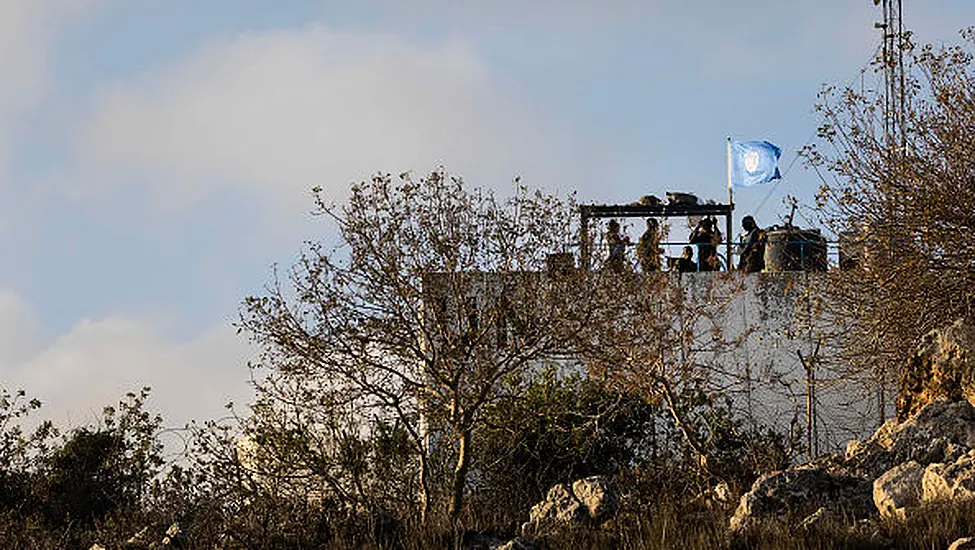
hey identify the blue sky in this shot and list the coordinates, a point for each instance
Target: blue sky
(156, 157)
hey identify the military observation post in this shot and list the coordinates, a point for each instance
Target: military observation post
(669, 210)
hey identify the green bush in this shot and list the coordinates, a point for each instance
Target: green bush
(551, 429)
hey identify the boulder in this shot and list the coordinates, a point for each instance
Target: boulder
(941, 431)
(588, 501)
(598, 496)
(952, 481)
(560, 504)
(559, 509)
(927, 455)
(943, 367)
(898, 489)
(799, 492)
(903, 464)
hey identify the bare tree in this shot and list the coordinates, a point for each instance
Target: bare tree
(436, 293)
(667, 340)
(904, 208)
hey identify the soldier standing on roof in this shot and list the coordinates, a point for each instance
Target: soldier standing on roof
(705, 239)
(648, 248)
(751, 251)
(617, 246)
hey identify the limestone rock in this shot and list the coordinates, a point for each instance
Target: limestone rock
(588, 501)
(898, 489)
(943, 367)
(928, 455)
(940, 431)
(560, 504)
(559, 509)
(598, 495)
(954, 481)
(799, 492)
(934, 487)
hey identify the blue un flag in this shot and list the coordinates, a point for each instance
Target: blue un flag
(754, 162)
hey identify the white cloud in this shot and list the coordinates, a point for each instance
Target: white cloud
(20, 333)
(97, 361)
(277, 113)
(576, 13)
(26, 30)
(26, 33)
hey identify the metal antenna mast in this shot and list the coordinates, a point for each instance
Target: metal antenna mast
(895, 41)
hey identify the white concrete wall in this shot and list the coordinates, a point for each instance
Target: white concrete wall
(780, 315)
(777, 316)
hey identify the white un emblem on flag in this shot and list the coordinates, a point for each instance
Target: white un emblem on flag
(751, 161)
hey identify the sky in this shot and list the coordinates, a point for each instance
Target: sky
(156, 157)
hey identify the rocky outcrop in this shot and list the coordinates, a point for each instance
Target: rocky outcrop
(949, 481)
(943, 367)
(559, 508)
(797, 493)
(599, 498)
(898, 489)
(942, 431)
(929, 457)
(586, 502)
(817, 518)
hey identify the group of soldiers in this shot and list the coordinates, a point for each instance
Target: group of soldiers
(705, 238)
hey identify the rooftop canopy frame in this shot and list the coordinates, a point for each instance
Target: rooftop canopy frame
(591, 211)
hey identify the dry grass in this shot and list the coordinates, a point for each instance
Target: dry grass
(657, 526)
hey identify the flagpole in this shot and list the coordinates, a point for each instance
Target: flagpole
(731, 209)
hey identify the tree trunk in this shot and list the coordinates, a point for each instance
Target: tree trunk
(460, 474)
(424, 488)
(685, 430)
